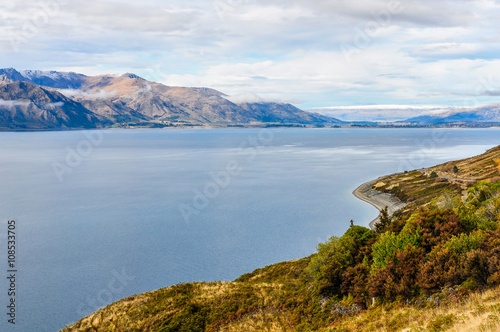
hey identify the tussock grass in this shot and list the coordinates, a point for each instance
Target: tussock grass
(479, 313)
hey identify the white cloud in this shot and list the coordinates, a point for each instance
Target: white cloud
(54, 105)
(245, 98)
(422, 52)
(13, 103)
(382, 113)
(448, 49)
(101, 94)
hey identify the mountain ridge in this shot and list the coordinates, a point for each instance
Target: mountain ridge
(487, 113)
(128, 98)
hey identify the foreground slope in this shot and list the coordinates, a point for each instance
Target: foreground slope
(478, 312)
(433, 267)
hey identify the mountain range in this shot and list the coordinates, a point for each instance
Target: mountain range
(483, 114)
(34, 99)
(38, 100)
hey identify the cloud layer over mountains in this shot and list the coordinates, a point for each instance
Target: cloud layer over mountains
(321, 53)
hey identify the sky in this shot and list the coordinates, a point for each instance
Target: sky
(320, 55)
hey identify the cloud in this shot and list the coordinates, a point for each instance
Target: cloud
(136, 17)
(254, 98)
(382, 113)
(13, 103)
(53, 105)
(408, 52)
(245, 98)
(101, 94)
(494, 93)
(452, 50)
(23, 103)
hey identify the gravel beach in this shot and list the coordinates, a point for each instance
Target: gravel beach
(378, 199)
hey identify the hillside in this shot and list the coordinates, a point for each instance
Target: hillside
(131, 100)
(434, 267)
(421, 187)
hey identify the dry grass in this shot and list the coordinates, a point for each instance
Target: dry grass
(270, 321)
(479, 167)
(417, 188)
(480, 313)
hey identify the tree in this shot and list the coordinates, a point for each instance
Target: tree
(433, 175)
(455, 169)
(384, 220)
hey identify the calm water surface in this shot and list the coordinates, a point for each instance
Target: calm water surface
(145, 209)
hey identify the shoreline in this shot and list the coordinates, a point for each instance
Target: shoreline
(378, 199)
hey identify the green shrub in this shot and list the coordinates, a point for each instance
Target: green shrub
(389, 244)
(335, 256)
(465, 242)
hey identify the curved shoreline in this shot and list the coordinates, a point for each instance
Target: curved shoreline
(378, 199)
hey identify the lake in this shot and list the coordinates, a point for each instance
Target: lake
(101, 215)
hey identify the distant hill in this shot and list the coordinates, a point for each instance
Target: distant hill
(131, 99)
(489, 113)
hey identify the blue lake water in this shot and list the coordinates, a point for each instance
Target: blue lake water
(106, 214)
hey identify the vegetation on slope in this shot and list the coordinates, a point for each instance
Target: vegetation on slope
(434, 267)
(479, 311)
(418, 188)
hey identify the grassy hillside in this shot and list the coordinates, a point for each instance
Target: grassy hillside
(420, 187)
(479, 311)
(434, 267)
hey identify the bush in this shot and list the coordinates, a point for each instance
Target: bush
(437, 227)
(389, 244)
(481, 192)
(453, 262)
(465, 242)
(476, 267)
(335, 256)
(442, 269)
(354, 282)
